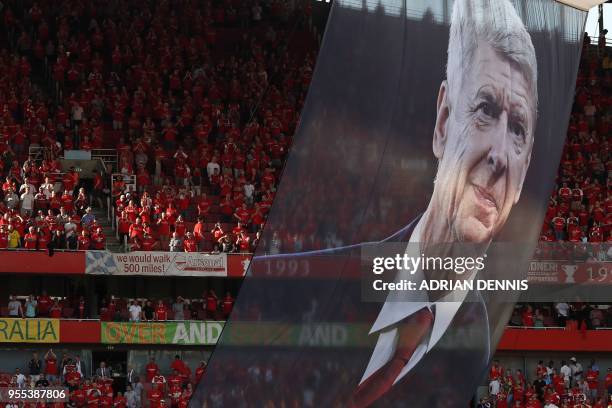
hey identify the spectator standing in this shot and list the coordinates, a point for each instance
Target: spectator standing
(576, 370)
(151, 369)
(135, 311)
(55, 312)
(14, 307)
(178, 308)
(44, 304)
(566, 373)
(211, 304)
(182, 368)
(161, 313)
(51, 366)
(30, 307)
(608, 382)
(19, 379)
(592, 380)
(148, 312)
(494, 387)
(130, 397)
(14, 238)
(35, 368)
(88, 218)
(70, 231)
(228, 304)
(176, 243)
(562, 309)
(27, 202)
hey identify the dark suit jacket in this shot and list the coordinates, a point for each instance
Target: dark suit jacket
(446, 376)
(108, 372)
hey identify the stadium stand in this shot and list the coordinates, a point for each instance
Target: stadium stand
(199, 102)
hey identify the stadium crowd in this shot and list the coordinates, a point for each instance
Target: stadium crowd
(580, 208)
(153, 387)
(579, 315)
(208, 307)
(199, 101)
(566, 385)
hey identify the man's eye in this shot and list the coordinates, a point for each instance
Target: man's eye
(518, 130)
(487, 109)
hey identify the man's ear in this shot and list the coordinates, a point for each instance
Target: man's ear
(443, 113)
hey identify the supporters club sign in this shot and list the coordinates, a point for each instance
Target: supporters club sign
(565, 272)
(162, 264)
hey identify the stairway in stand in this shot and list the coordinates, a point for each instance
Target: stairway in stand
(112, 243)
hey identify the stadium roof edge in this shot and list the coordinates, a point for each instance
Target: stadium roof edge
(582, 4)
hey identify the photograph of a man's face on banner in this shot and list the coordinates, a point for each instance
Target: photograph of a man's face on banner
(427, 122)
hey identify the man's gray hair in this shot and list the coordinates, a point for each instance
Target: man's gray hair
(496, 23)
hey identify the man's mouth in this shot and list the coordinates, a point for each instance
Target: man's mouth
(485, 197)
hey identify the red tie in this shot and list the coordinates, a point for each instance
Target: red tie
(411, 332)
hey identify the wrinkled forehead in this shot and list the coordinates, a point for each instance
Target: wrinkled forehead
(490, 68)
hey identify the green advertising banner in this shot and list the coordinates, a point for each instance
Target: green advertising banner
(183, 332)
(243, 334)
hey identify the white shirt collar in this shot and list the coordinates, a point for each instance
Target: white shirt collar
(395, 310)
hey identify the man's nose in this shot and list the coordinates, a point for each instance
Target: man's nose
(496, 157)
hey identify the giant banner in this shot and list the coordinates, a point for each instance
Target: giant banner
(157, 263)
(29, 331)
(436, 125)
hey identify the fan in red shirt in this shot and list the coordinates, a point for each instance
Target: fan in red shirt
(190, 243)
(78, 397)
(527, 317)
(518, 392)
(98, 240)
(44, 304)
(51, 366)
(55, 312)
(540, 369)
(243, 242)
(163, 230)
(228, 304)
(179, 366)
(30, 239)
(106, 401)
(73, 378)
(154, 396)
(161, 312)
(203, 205)
(179, 226)
(3, 237)
(502, 399)
(608, 381)
(552, 396)
(175, 386)
(211, 304)
(151, 370)
(200, 370)
(198, 231)
(83, 241)
(149, 243)
(532, 402)
(592, 379)
(93, 398)
(120, 401)
(159, 380)
(243, 215)
(185, 396)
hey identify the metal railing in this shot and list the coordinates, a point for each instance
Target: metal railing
(108, 157)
